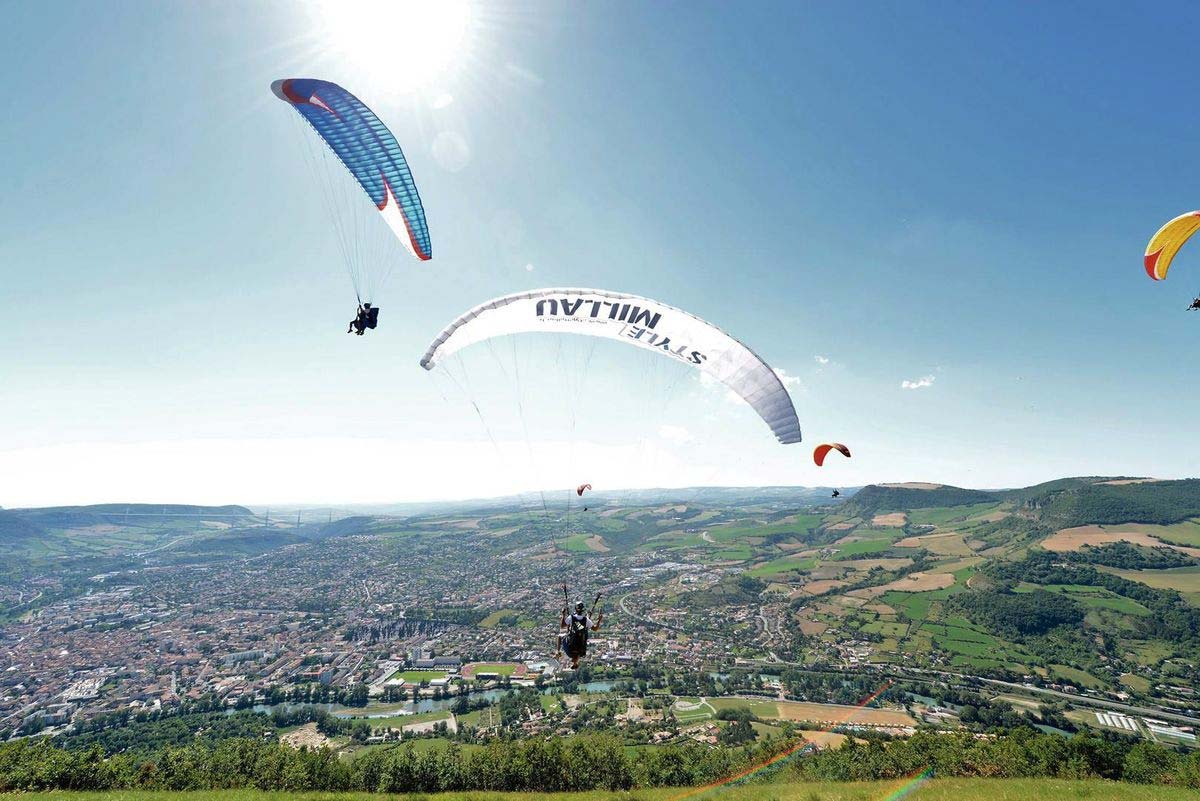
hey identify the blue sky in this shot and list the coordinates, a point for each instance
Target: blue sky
(951, 195)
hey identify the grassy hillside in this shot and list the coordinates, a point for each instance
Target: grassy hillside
(1105, 501)
(895, 497)
(15, 528)
(932, 790)
(114, 528)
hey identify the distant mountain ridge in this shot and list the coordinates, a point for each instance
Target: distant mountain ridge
(1063, 503)
(901, 497)
(18, 524)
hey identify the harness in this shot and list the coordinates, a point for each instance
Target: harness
(577, 634)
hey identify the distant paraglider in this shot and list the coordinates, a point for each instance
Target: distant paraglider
(1166, 242)
(582, 488)
(821, 451)
(365, 148)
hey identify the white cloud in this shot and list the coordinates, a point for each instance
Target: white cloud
(677, 434)
(920, 383)
(821, 360)
(788, 380)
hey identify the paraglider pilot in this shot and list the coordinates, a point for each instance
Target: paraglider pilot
(1195, 305)
(577, 625)
(367, 317)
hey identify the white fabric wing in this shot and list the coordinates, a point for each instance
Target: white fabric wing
(637, 321)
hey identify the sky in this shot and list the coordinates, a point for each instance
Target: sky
(929, 217)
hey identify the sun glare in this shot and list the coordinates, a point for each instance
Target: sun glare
(408, 43)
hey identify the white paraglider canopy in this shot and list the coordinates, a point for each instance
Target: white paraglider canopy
(636, 321)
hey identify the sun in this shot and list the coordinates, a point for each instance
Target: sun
(406, 43)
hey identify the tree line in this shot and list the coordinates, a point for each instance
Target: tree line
(582, 763)
(1020, 753)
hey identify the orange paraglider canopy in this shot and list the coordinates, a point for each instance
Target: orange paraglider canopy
(821, 451)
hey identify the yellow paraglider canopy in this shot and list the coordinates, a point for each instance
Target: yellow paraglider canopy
(1167, 242)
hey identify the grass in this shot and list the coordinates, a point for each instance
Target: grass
(913, 605)
(933, 790)
(763, 709)
(731, 555)
(783, 565)
(493, 620)
(418, 676)
(1135, 683)
(886, 629)
(576, 543)
(1184, 579)
(1080, 677)
(939, 516)
(1147, 652)
(1092, 597)
(1185, 533)
(852, 549)
(488, 716)
(801, 525)
(499, 668)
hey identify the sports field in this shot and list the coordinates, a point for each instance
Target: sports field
(499, 668)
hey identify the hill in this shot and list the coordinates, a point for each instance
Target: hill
(903, 497)
(14, 527)
(112, 528)
(1097, 501)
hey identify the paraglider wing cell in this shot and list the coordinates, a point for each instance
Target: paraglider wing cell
(1167, 242)
(636, 321)
(367, 149)
(821, 451)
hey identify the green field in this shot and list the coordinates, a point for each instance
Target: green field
(1094, 597)
(493, 620)
(783, 565)
(762, 709)
(913, 605)
(1136, 683)
(1185, 533)
(499, 668)
(741, 554)
(939, 516)
(575, 544)
(852, 549)
(418, 676)
(1184, 579)
(1080, 677)
(933, 790)
(801, 525)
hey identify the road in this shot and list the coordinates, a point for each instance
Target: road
(1081, 700)
(971, 682)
